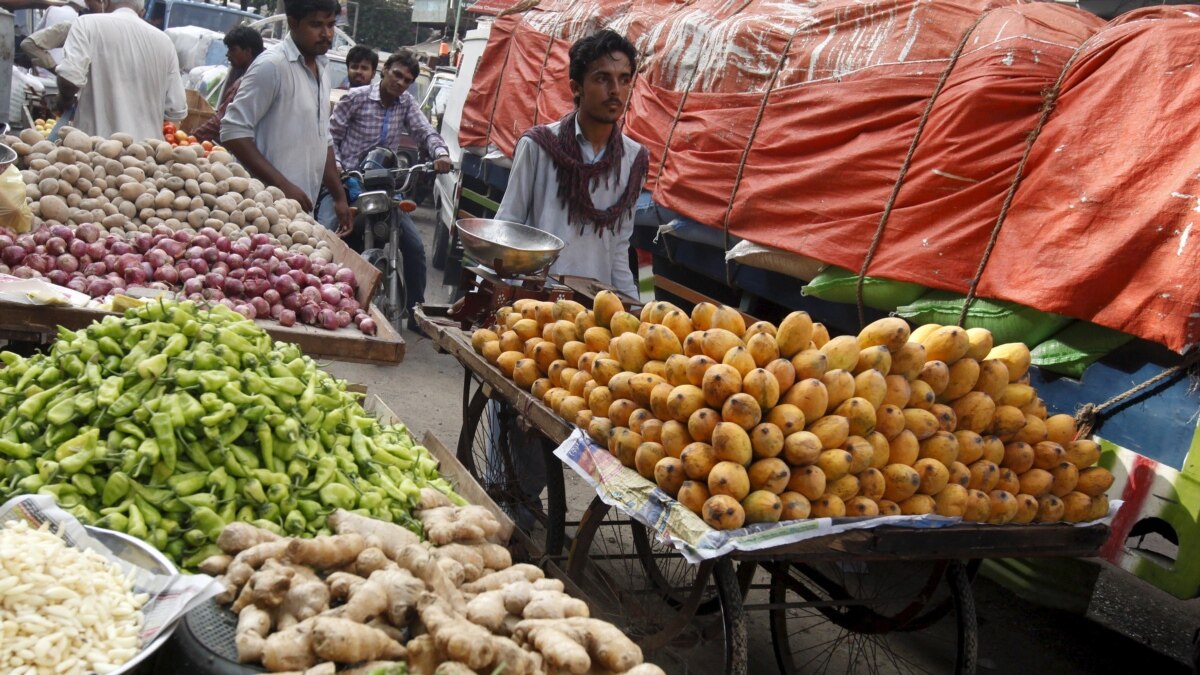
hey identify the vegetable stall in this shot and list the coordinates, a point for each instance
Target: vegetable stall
(857, 480)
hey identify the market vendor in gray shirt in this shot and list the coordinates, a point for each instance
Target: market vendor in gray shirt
(579, 178)
(278, 123)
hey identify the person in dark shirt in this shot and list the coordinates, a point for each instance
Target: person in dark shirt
(243, 45)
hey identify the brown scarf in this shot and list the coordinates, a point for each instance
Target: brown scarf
(577, 179)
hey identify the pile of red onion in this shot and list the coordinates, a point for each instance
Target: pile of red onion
(249, 274)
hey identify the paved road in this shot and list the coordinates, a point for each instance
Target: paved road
(1129, 625)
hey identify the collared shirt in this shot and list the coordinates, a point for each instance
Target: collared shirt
(532, 199)
(285, 109)
(590, 154)
(127, 72)
(358, 126)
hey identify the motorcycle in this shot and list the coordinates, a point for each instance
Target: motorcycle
(384, 183)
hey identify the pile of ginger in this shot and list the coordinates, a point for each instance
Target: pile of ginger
(373, 593)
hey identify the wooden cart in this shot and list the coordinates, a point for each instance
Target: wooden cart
(847, 602)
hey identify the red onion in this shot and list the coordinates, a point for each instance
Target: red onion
(240, 248)
(128, 261)
(260, 239)
(293, 301)
(78, 284)
(161, 230)
(26, 242)
(38, 262)
(158, 285)
(193, 285)
(214, 294)
(41, 236)
(234, 260)
(56, 246)
(5, 269)
(186, 273)
(184, 236)
(200, 265)
(272, 296)
(367, 326)
(143, 242)
(297, 261)
(67, 263)
(287, 317)
(157, 257)
(167, 274)
(286, 286)
(135, 275)
(5, 241)
(95, 269)
(98, 288)
(96, 250)
(330, 294)
(257, 287)
(233, 286)
(343, 318)
(26, 273)
(311, 294)
(77, 248)
(328, 319)
(221, 268)
(261, 307)
(276, 310)
(173, 248)
(58, 277)
(214, 280)
(210, 233)
(223, 244)
(120, 248)
(297, 276)
(210, 254)
(12, 255)
(87, 232)
(247, 311)
(344, 275)
(348, 304)
(307, 313)
(346, 290)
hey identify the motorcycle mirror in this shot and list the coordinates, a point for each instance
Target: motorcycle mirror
(408, 206)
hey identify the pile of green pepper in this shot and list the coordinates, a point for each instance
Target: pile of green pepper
(171, 421)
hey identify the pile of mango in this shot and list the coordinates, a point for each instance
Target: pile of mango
(762, 423)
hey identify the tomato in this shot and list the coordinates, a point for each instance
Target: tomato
(169, 128)
(207, 145)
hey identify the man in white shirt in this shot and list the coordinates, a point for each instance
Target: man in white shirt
(278, 124)
(579, 178)
(125, 72)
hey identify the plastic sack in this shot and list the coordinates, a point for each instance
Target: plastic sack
(836, 284)
(14, 208)
(1008, 321)
(1071, 350)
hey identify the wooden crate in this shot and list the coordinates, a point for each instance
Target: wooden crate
(199, 111)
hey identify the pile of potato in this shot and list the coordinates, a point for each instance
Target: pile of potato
(375, 593)
(130, 187)
(761, 423)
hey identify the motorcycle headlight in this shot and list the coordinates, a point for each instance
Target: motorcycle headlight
(370, 203)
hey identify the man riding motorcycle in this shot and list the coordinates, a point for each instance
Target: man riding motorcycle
(376, 116)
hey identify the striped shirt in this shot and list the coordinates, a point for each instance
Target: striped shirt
(358, 126)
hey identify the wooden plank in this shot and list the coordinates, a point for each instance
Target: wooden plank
(343, 344)
(696, 297)
(465, 484)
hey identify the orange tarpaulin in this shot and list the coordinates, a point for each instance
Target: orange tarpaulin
(816, 106)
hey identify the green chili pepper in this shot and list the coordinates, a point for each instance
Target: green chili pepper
(15, 450)
(114, 521)
(294, 523)
(195, 537)
(159, 474)
(185, 484)
(115, 489)
(109, 346)
(64, 493)
(164, 433)
(201, 555)
(81, 443)
(32, 406)
(85, 403)
(266, 442)
(233, 341)
(253, 489)
(338, 496)
(227, 411)
(83, 483)
(234, 430)
(175, 345)
(75, 463)
(130, 400)
(201, 499)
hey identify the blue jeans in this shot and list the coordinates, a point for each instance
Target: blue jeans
(412, 249)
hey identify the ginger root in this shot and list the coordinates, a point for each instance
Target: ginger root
(251, 634)
(215, 564)
(448, 524)
(423, 657)
(497, 580)
(454, 636)
(342, 584)
(245, 563)
(239, 536)
(307, 597)
(424, 566)
(372, 558)
(367, 601)
(387, 536)
(326, 553)
(595, 639)
(432, 499)
(346, 641)
(290, 649)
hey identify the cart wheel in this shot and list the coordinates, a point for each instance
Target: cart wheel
(859, 616)
(486, 450)
(649, 589)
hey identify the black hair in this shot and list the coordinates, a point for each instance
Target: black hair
(598, 45)
(298, 9)
(361, 53)
(246, 38)
(405, 58)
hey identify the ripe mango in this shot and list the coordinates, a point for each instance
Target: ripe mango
(1066, 477)
(828, 506)
(1060, 429)
(920, 333)
(684, 400)
(980, 341)
(647, 457)
(1003, 507)
(889, 420)
(960, 474)
(674, 437)
(842, 352)
(759, 327)
(1094, 481)
(889, 332)
(801, 448)
(871, 483)
(951, 501)
(1083, 453)
(693, 494)
(728, 478)
(619, 411)
(661, 343)
(917, 505)
(902, 482)
(897, 391)
(783, 372)
(794, 506)
(718, 341)
(1008, 481)
(1050, 509)
(964, 374)
(645, 423)
(762, 506)
(839, 385)
(728, 318)
(933, 474)
(1076, 507)
(762, 348)
(974, 411)
(731, 443)
(810, 396)
(697, 368)
(770, 474)
(1015, 356)
(720, 382)
(871, 386)
(701, 424)
(698, 460)
(984, 476)
(946, 418)
(723, 512)
(1027, 509)
(921, 422)
(832, 430)
(808, 481)
(794, 334)
(979, 506)
(888, 507)
(739, 357)
(905, 448)
(678, 323)
(481, 336)
(859, 414)
(810, 363)
(936, 374)
(762, 386)
(1048, 455)
(834, 464)
(787, 417)
(1036, 482)
(947, 344)
(766, 440)
(862, 453)
(874, 358)
(861, 507)
(605, 305)
(742, 410)
(908, 361)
